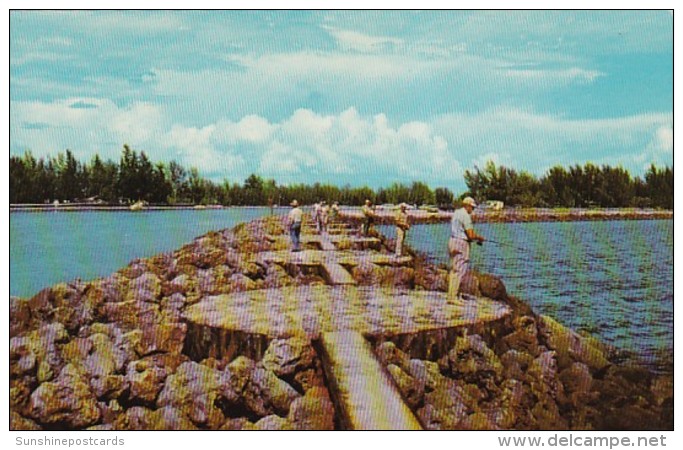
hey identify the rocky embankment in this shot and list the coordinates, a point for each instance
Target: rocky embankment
(531, 374)
(112, 354)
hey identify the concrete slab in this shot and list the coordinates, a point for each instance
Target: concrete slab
(364, 394)
(315, 309)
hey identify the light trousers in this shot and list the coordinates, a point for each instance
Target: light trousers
(400, 238)
(459, 251)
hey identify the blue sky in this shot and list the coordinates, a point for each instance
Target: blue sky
(346, 97)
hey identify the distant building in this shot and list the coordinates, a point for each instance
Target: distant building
(495, 205)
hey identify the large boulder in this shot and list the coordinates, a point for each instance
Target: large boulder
(29, 314)
(241, 282)
(492, 287)
(146, 376)
(195, 390)
(571, 346)
(140, 418)
(164, 337)
(366, 273)
(308, 379)
(516, 364)
(145, 288)
(240, 370)
(524, 338)
(471, 359)
(273, 423)
(276, 277)
(37, 352)
(285, 357)
(411, 389)
(430, 278)
(20, 423)
(104, 357)
(130, 314)
(388, 353)
(238, 424)
(543, 375)
(266, 394)
(67, 401)
(426, 373)
(397, 276)
(182, 284)
(76, 304)
(445, 407)
(313, 411)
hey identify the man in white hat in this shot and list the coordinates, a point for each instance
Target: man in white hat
(402, 226)
(368, 217)
(462, 235)
(294, 219)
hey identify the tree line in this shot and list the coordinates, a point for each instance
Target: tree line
(577, 186)
(135, 177)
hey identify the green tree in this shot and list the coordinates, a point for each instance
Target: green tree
(444, 197)
(70, 179)
(254, 190)
(660, 186)
(420, 194)
(127, 180)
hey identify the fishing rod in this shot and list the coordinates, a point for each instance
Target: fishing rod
(505, 244)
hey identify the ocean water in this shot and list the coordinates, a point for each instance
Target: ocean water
(612, 279)
(51, 247)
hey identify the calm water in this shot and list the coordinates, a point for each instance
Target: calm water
(613, 279)
(50, 247)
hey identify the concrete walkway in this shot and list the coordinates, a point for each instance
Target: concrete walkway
(364, 393)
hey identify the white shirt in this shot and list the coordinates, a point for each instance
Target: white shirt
(295, 215)
(460, 222)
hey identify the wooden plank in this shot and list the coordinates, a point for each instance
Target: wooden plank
(363, 392)
(337, 274)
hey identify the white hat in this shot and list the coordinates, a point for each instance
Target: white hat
(469, 201)
(403, 206)
(294, 203)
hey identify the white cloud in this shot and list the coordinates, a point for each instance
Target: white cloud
(252, 128)
(559, 76)
(659, 149)
(139, 123)
(308, 146)
(353, 40)
(524, 139)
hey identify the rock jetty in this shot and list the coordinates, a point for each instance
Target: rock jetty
(234, 332)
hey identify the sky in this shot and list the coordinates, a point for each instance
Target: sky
(357, 97)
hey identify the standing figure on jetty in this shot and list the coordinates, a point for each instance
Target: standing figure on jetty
(462, 235)
(294, 219)
(402, 226)
(324, 217)
(319, 216)
(334, 212)
(368, 217)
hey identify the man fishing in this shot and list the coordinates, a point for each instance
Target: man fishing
(402, 226)
(368, 217)
(462, 235)
(294, 220)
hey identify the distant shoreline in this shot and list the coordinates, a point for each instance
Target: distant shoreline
(509, 215)
(524, 215)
